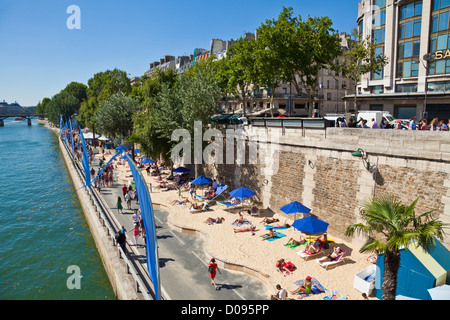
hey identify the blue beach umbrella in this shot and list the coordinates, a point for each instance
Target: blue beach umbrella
(201, 180)
(181, 170)
(121, 148)
(137, 151)
(310, 224)
(295, 207)
(242, 193)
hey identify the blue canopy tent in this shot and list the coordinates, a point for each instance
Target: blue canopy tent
(310, 224)
(419, 271)
(137, 151)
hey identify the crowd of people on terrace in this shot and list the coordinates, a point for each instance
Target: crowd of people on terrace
(434, 125)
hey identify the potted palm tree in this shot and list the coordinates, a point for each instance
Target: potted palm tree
(390, 226)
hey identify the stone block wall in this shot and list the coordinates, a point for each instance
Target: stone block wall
(316, 168)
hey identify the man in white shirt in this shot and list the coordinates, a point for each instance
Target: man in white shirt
(281, 294)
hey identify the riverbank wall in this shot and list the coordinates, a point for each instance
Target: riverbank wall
(123, 283)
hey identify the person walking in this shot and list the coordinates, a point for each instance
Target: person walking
(136, 233)
(212, 268)
(412, 123)
(124, 191)
(121, 239)
(119, 205)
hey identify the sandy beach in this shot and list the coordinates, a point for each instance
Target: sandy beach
(249, 250)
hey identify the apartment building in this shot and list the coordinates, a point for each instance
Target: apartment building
(415, 37)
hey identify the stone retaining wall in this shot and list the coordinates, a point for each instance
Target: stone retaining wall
(316, 168)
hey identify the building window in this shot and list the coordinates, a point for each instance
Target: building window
(407, 69)
(438, 86)
(378, 36)
(379, 3)
(440, 4)
(329, 96)
(406, 87)
(411, 10)
(376, 89)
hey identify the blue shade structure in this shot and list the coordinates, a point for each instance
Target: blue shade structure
(242, 193)
(310, 224)
(149, 225)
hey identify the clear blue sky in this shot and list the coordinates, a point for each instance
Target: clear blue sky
(39, 55)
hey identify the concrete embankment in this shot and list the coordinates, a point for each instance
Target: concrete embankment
(123, 283)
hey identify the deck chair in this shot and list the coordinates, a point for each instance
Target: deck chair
(219, 191)
(228, 204)
(326, 264)
(254, 213)
(306, 255)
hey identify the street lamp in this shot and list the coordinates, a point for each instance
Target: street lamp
(360, 153)
(427, 58)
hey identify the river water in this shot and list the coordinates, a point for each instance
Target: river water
(43, 233)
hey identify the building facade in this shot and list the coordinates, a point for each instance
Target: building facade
(415, 37)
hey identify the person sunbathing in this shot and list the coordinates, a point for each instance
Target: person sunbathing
(239, 220)
(280, 267)
(269, 220)
(332, 256)
(216, 220)
(313, 248)
(244, 229)
(293, 242)
(269, 235)
(185, 200)
(285, 225)
(197, 206)
(305, 287)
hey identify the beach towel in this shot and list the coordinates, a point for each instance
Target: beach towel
(280, 228)
(335, 295)
(289, 265)
(292, 246)
(276, 236)
(314, 289)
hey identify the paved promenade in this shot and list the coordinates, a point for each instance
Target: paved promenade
(183, 262)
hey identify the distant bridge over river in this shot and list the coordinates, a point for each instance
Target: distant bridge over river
(27, 116)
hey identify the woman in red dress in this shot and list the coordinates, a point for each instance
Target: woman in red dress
(212, 267)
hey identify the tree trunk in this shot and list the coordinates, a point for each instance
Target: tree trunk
(391, 266)
(355, 103)
(93, 133)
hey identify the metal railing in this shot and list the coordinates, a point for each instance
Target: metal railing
(291, 122)
(106, 218)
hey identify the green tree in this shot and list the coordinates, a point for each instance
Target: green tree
(298, 49)
(241, 69)
(114, 117)
(42, 106)
(78, 90)
(62, 104)
(100, 87)
(390, 226)
(360, 59)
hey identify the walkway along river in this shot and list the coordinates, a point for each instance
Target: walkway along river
(182, 258)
